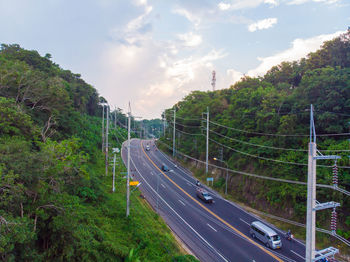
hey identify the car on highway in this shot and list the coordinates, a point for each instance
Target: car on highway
(265, 234)
(165, 167)
(204, 195)
(147, 148)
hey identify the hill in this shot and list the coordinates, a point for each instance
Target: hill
(260, 126)
(56, 203)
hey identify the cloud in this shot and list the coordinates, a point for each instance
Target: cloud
(300, 48)
(262, 24)
(190, 39)
(244, 4)
(195, 20)
(299, 2)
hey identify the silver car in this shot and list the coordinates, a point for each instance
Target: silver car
(265, 234)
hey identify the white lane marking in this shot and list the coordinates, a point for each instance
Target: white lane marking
(212, 227)
(200, 236)
(297, 254)
(162, 185)
(182, 202)
(189, 184)
(244, 221)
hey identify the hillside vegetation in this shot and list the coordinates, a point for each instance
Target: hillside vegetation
(55, 201)
(252, 128)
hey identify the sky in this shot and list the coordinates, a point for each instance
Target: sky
(152, 53)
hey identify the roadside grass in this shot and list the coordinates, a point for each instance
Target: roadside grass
(143, 236)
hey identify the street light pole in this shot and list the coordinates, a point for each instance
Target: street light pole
(128, 167)
(207, 144)
(226, 172)
(174, 132)
(107, 131)
(103, 126)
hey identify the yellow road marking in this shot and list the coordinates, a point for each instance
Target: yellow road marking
(211, 212)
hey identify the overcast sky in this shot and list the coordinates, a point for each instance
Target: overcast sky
(154, 52)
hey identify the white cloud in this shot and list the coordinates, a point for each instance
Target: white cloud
(190, 39)
(233, 76)
(190, 16)
(300, 48)
(271, 2)
(299, 2)
(224, 6)
(244, 4)
(262, 24)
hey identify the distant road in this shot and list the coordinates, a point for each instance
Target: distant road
(213, 232)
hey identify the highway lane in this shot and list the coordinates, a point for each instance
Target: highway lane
(230, 211)
(215, 232)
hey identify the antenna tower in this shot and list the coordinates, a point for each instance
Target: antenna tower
(213, 80)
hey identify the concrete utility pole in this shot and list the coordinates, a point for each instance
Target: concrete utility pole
(312, 204)
(115, 117)
(128, 166)
(207, 147)
(103, 126)
(163, 126)
(107, 130)
(174, 131)
(114, 158)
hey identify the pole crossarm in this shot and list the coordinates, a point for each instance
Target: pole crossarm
(326, 205)
(327, 157)
(324, 253)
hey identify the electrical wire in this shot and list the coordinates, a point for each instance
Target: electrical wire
(184, 131)
(255, 156)
(177, 123)
(270, 159)
(269, 134)
(276, 148)
(256, 145)
(259, 176)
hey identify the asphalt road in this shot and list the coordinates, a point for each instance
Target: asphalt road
(213, 232)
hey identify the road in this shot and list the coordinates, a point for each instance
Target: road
(213, 232)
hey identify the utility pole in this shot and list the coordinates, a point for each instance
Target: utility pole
(103, 126)
(163, 126)
(107, 130)
(128, 167)
(174, 131)
(207, 147)
(312, 204)
(114, 158)
(115, 117)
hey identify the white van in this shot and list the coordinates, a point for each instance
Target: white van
(265, 234)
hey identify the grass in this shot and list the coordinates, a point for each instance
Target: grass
(143, 236)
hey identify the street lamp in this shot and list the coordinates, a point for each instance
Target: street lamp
(226, 172)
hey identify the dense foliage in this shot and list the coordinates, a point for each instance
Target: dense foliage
(55, 201)
(258, 109)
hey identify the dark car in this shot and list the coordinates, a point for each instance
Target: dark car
(165, 168)
(204, 195)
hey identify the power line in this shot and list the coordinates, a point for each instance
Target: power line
(260, 176)
(170, 125)
(276, 148)
(270, 134)
(257, 145)
(270, 159)
(187, 125)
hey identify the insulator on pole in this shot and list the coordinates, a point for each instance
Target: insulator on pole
(335, 174)
(334, 221)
